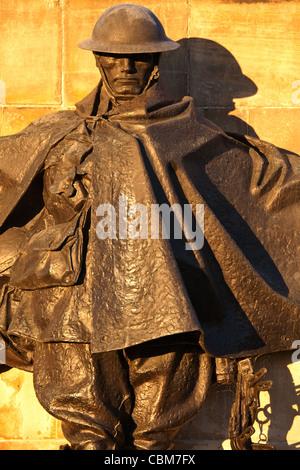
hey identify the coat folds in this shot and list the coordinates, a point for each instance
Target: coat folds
(60, 282)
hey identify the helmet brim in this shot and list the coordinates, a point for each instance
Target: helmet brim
(119, 48)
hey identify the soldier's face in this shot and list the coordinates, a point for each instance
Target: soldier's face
(127, 75)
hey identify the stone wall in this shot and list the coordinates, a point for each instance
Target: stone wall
(240, 60)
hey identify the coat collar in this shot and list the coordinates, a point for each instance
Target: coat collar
(97, 102)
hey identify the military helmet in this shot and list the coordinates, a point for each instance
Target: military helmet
(128, 29)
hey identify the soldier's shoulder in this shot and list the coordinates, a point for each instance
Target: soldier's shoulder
(57, 118)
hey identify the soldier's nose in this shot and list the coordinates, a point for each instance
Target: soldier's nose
(127, 64)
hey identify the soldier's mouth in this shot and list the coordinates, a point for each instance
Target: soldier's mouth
(126, 81)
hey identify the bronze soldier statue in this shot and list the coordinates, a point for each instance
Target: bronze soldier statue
(121, 332)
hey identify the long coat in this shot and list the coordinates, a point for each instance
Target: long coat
(60, 282)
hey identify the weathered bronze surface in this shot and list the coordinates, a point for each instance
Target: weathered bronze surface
(127, 29)
(121, 332)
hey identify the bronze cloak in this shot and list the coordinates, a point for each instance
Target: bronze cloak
(240, 291)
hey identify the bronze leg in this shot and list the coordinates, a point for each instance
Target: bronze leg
(89, 394)
(170, 385)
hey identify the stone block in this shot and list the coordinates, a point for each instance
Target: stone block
(279, 126)
(261, 38)
(31, 444)
(1, 118)
(16, 119)
(30, 51)
(21, 415)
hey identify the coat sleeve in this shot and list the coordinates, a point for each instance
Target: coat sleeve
(22, 155)
(50, 253)
(22, 158)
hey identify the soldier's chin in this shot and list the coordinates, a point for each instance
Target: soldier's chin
(128, 89)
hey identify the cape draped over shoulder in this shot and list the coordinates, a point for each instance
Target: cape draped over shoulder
(60, 282)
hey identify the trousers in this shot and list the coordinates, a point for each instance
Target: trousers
(136, 398)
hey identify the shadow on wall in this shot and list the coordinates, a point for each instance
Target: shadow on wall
(210, 74)
(284, 405)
